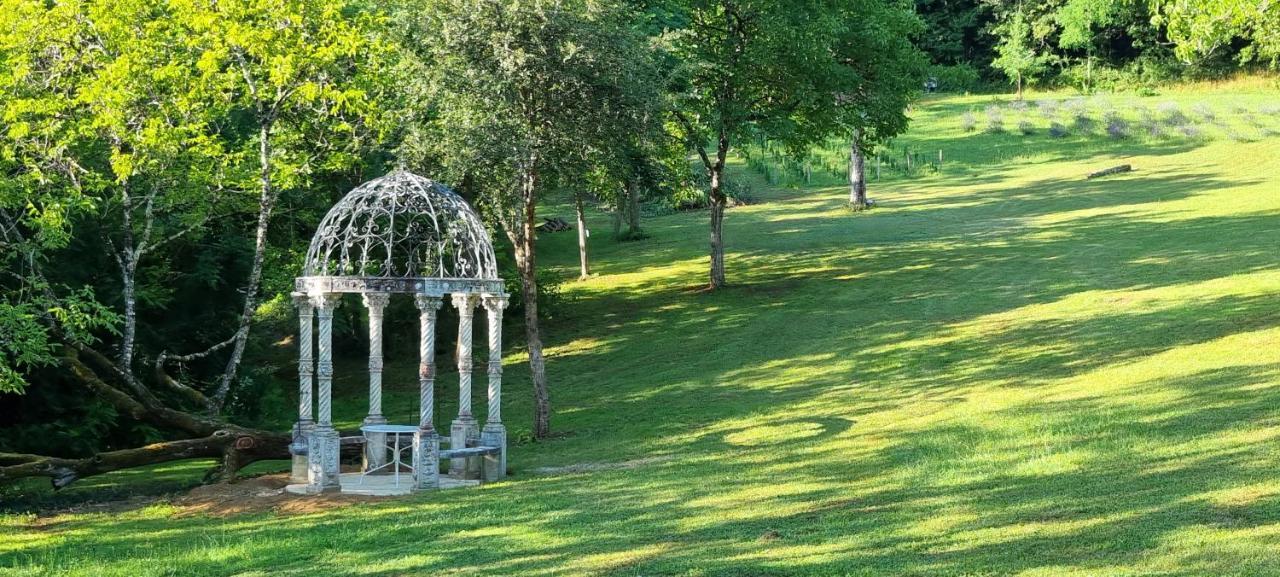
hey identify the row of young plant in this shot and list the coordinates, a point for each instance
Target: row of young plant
(828, 164)
(1079, 116)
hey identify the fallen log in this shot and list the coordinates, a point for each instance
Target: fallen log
(554, 224)
(1110, 171)
(234, 445)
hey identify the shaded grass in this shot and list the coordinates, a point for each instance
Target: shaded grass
(1003, 370)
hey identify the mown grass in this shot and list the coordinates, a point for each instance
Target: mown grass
(1004, 369)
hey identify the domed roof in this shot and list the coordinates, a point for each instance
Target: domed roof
(402, 226)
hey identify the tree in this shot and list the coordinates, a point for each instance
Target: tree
(883, 71)
(1017, 56)
(750, 67)
(117, 149)
(1201, 28)
(292, 67)
(524, 98)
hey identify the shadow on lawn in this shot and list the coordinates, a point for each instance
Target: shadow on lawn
(939, 305)
(1108, 508)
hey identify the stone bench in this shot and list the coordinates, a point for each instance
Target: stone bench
(469, 452)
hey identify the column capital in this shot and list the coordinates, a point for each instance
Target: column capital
(302, 302)
(376, 301)
(465, 301)
(326, 301)
(495, 302)
(427, 302)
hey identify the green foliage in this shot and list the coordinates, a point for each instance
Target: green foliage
(1018, 54)
(882, 68)
(553, 103)
(954, 34)
(759, 69)
(1201, 29)
(957, 78)
(23, 345)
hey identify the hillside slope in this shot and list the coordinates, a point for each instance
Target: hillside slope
(1006, 369)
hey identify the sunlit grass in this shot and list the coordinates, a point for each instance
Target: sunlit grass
(1003, 370)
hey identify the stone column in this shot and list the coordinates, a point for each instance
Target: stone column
(375, 447)
(464, 427)
(426, 443)
(306, 370)
(323, 448)
(494, 433)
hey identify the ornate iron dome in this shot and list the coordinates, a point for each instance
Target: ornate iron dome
(402, 226)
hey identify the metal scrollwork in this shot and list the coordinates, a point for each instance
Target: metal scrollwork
(402, 226)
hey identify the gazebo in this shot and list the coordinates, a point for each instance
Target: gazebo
(399, 234)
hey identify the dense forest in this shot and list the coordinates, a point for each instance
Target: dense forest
(164, 164)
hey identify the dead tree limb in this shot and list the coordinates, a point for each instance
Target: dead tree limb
(1110, 171)
(235, 446)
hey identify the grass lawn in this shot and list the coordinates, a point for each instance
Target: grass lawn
(1005, 369)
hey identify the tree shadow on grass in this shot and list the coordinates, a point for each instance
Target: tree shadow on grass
(824, 511)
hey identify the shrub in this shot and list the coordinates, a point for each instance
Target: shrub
(968, 122)
(1204, 112)
(1117, 128)
(958, 78)
(1018, 105)
(1190, 130)
(995, 120)
(1047, 107)
(1026, 128)
(1172, 114)
(1082, 121)
(739, 192)
(1057, 130)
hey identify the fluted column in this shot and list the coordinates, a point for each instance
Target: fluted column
(322, 453)
(306, 370)
(494, 433)
(375, 447)
(464, 428)
(426, 443)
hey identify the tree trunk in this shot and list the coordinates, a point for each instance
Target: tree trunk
(717, 207)
(857, 173)
(584, 264)
(524, 240)
(1019, 85)
(130, 331)
(633, 208)
(718, 203)
(266, 202)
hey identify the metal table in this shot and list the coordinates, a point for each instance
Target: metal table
(393, 433)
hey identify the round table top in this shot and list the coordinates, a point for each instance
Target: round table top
(389, 428)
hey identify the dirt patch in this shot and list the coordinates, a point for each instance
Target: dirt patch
(257, 495)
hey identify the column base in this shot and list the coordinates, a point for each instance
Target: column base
(375, 445)
(426, 460)
(323, 468)
(464, 432)
(495, 466)
(298, 449)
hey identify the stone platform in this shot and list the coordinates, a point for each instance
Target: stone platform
(383, 485)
